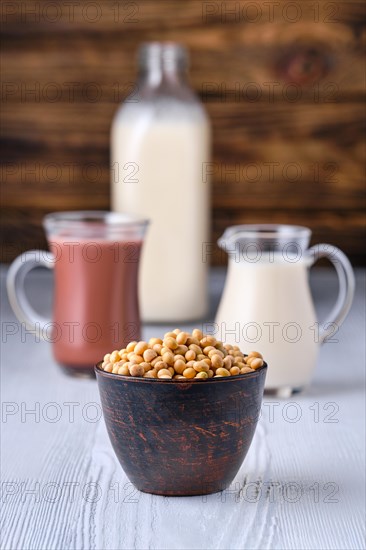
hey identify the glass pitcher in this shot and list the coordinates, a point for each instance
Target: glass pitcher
(267, 305)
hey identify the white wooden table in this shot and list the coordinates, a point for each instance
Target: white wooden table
(301, 486)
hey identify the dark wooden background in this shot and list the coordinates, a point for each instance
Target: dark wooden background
(287, 144)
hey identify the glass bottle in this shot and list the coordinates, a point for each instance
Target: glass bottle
(160, 147)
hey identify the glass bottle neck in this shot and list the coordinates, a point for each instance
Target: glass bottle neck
(161, 63)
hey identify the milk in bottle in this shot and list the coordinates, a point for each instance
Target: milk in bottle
(160, 145)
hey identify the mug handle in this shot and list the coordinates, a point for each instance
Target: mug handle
(346, 291)
(17, 273)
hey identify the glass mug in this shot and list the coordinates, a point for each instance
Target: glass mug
(267, 305)
(95, 257)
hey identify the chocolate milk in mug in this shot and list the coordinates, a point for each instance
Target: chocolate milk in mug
(267, 304)
(95, 258)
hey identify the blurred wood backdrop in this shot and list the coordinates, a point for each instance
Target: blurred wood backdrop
(282, 82)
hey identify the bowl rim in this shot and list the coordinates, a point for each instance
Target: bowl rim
(100, 372)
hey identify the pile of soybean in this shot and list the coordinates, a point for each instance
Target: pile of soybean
(181, 356)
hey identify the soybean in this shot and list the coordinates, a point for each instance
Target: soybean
(181, 356)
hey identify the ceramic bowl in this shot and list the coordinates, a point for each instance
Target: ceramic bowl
(181, 438)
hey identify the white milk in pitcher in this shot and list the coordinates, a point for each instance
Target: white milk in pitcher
(267, 306)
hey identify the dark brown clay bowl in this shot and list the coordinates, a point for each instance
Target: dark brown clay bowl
(181, 438)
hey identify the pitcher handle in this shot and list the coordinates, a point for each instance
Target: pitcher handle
(15, 280)
(346, 291)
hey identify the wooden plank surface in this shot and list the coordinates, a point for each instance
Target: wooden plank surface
(169, 14)
(250, 56)
(283, 88)
(301, 485)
